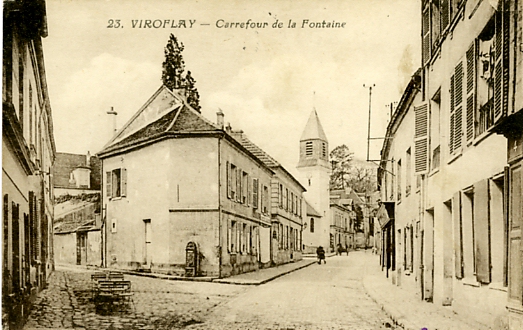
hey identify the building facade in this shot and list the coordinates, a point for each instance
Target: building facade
(28, 152)
(204, 206)
(314, 172)
(468, 86)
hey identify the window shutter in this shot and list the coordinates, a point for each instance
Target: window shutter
(445, 14)
(501, 61)
(255, 193)
(481, 231)
(421, 121)
(458, 104)
(249, 188)
(471, 90)
(451, 119)
(108, 183)
(238, 185)
(228, 174)
(425, 34)
(124, 182)
(458, 247)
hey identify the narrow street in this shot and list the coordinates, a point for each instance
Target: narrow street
(327, 296)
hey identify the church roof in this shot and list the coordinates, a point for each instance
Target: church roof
(311, 210)
(313, 130)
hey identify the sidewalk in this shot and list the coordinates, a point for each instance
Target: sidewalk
(265, 275)
(406, 309)
(257, 277)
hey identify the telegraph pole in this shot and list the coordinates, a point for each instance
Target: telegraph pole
(368, 128)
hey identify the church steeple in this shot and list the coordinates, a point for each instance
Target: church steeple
(313, 130)
(314, 146)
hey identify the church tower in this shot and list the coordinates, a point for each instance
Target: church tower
(314, 169)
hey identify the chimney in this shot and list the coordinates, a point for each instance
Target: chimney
(112, 112)
(88, 159)
(228, 129)
(219, 118)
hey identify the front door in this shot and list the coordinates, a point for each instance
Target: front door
(81, 248)
(515, 212)
(147, 243)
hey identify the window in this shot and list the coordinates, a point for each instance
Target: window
(398, 181)
(285, 200)
(324, 149)
(308, 148)
(456, 109)
(245, 188)
(116, 183)
(255, 193)
(435, 129)
(281, 196)
(312, 225)
(265, 196)
(407, 173)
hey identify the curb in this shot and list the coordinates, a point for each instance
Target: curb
(261, 281)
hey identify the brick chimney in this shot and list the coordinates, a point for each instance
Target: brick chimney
(220, 118)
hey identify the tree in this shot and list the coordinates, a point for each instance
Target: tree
(341, 158)
(173, 72)
(193, 97)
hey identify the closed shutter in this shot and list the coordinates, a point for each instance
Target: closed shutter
(421, 121)
(124, 182)
(458, 104)
(108, 184)
(458, 235)
(501, 61)
(249, 188)
(229, 179)
(481, 231)
(31, 235)
(445, 14)
(255, 193)
(238, 185)
(425, 34)
(471, 90)
(515, 283)
(451, 117)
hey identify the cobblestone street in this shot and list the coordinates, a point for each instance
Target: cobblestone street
(329, 296)
(157, 304)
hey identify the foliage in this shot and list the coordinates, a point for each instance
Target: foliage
(173, 73)
(341, 158)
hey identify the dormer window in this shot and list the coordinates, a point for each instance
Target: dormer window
(308, 148)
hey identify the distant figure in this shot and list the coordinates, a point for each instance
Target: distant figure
(338, 249)
(321, 254)
(347, 249)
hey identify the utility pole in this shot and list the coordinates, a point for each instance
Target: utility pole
(368, 128)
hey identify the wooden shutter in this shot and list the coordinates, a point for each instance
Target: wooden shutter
(229, 179)
(501, 61)
(515, 283)
(451, 117)
(238, 184)
(255, 193)
(124, 182)
(481, 231)
(421, 129)
(458, 104)
(108, 184)
(445, 14)
(425, 34)
(471, 90)
(458, 234)
(249, 188)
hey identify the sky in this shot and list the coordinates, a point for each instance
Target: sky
(266, 80)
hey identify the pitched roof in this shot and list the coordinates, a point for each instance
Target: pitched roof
(313, 130)
(263, 156)
(164, 114)
(64, 164)
(311, 210)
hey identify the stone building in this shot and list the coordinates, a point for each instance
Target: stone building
(187, 196)
(468, 86)
(28, 152)
(314, 172)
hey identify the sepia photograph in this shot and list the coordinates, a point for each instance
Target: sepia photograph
(337, 164)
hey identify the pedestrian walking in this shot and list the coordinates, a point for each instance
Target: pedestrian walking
(321, 254)
(338, 249)
(347, 249)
